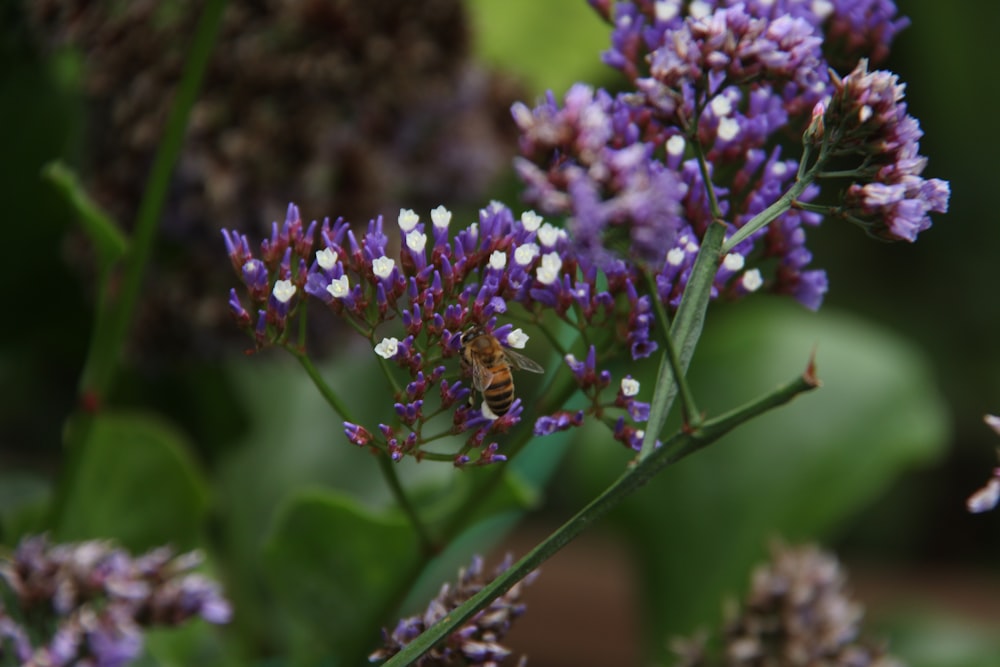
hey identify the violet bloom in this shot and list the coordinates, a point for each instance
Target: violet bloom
(867, 117)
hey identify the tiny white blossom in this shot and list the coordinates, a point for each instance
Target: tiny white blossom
(383, 266)
(779, 169)
(408, 219)
(993, 422)
(283, 290)
(675, 145)
(640, 434)
(498, 259)
(339, 287)
(474, 230)
(548, 235)
(675, 257)
(326, 258)
(630, 386)
(416, 241)
(548, 272)
(699, 9)
(864, 113)
(388, 348)
(728, 129)
(733, 261)
(517, 339)
(531, 221)
(526, 254)
(570, 359)
(822, 8)
(441, 217)
(665, 9)
(721, 106)
(691, 247)
(752, 280)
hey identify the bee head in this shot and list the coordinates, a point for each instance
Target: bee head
(472, 333)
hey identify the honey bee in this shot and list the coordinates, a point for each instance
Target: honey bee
(489, 363)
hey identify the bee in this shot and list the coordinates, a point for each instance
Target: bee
(489, 363)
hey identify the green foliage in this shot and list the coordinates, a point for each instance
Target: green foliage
(795, 473)
(134, 480)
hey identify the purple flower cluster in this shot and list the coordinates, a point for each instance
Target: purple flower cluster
(90, 601)
(475, 643)
(414, 304)
(867, 117)
(718, 87)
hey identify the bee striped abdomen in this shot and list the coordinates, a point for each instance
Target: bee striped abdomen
(500, 394)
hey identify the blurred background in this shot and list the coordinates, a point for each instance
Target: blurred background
(359, 108)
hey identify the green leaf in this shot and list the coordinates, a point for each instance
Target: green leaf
(335, 566)
(133, 479)
(797, 472)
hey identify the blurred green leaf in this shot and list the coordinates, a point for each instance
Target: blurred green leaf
(517, 36)
(134, 480)
(335, 566)
(193, 644)
(794, 473)
(929, 638)
(24, 503)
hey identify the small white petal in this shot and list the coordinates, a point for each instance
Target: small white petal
(676, 256)
(675, 145)
(548, 272)
(383, 266)
(734, 261)
(721, 106)
(408, 219)
(498, 260)
(526, 254)
(993, 422)
(822, 8)
(779, 169)
(388, 348)
(326, 258)
(339, 287)
(416, 241)
(752, 280)
(728, 129)
(441, 217)
(548, 235)
(665, 10)
(517, 339)
(699, 9)
(630, 387)
(283, 290)
(985, 498)
(531, 221)
(864, 113)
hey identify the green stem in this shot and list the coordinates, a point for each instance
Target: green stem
(386, 465)
(114, 316)
(677, 447)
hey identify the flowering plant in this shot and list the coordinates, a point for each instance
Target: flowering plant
(739, 127)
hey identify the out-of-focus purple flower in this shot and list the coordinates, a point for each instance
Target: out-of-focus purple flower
(987, 497)
(478, 641)
(91, 601)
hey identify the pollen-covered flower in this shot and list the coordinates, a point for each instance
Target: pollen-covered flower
(90, 602)
(478, 641)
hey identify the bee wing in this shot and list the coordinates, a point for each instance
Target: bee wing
(518, 360)
(481, 376)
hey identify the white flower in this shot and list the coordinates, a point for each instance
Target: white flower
(517, 339)
(283, 290)
(388, 348)
(383, 266)
(728, 129)
(548, 272)
(699, 9)
(326, 258)
(408, 219)
(548, 235)
(526, 254)
(864, 113)
(752, 280)
(441, 217)
(630, 387)
(416, 241)
(498, 260)
(721, 106)
(665, 9)
(531, 221)
(734, 261)
(985, 498)
(339, 287)
(675, 145)
(676, 256)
